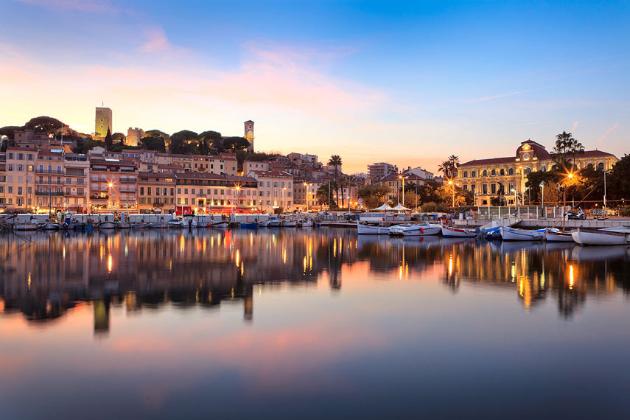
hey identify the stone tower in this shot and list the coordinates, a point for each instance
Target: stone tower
(249, 134)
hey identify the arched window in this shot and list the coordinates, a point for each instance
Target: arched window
(494, 172)
(527, 171)
(485, 172)
(502, 172)
(543, 168)
(511, 171)
(600, 166)
(473, 174)
(465, 174)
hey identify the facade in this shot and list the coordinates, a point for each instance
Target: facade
(113, 184)
(156, 192)
(379, 170)
(207, 193)
(77, 192)
(134, 135)
(20, 177)
(305, 194)
(490, 178)
(419, 172)
(103, 122)
(275, 190)
(252, 165)
(3, 179)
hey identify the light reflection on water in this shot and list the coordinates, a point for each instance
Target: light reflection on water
(321, 323)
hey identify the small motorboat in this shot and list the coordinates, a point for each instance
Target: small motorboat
(608, 236)
(308, 223)
(556, 235)
(218, 225)
(452, 232)
(514, 234)
(289, 223)
(176, 223)
(272, 222)
(410, 229)
(364, 228)
(51, 226)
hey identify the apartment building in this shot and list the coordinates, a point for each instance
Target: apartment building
(113, 184)
(275, 190)
(156, 192)
(199, 192)
(20, 177)
(305, 194)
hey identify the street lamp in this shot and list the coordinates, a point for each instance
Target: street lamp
(401, 177)
(306, 195)
(542, 195)
(452, 184)
(515, 196)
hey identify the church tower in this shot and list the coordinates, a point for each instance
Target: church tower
(249, 134)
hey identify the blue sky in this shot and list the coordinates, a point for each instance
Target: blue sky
(406, 82)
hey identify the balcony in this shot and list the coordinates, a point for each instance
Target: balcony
(49, 193)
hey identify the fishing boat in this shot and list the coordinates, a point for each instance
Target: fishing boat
(411, 229)
(219, 225)
(366, 228)
(514, 234)
(608, 236)
(272, 222)
(491, 230)
(556, 235)
(27, 222)
(452, 232)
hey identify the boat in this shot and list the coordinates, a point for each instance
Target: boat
(176, 223)
(219, 225)
(123, 223)
(452, 232)
(308, 223)
(556, 235)
(248, 225)
(105, 221)
(411, 229)
(271, 222)
(289, 223)
(51, 226)
(608, 236)
(365, 228)
(491, 230)
(514, 234)
(28, 222)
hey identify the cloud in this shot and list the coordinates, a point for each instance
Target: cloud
(156, 41)
(606, 134)
(88, 6)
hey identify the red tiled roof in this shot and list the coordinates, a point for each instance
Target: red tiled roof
(511, 159)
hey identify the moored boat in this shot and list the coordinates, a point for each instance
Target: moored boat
(176, 223)
(452, 232)
(364, 228)
(409, 229)
(555, 235)
(514, 234)
(610, 236)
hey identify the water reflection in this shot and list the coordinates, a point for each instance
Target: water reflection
(44, 275)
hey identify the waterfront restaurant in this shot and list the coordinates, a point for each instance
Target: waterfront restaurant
(488, 178)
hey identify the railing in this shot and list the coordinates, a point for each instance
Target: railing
(49, 193)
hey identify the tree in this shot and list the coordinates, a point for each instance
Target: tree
(183, 142)
(210, 142)
(118, 138)
(550, 181)
(449, 166)
(325, 196)
(234, 144)
(44, 124)
(619, 179)
(108, 140)
(9, 131)
(153, 143)
(82, 146)
(373, 195)
(335, 162)
(566, 146)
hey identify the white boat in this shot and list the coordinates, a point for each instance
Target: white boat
(51, 226)
(306, 223)
(452, 232)
(176, 223)
(28, 222)
(289, 223)
(514, 234)
(271, 222)
(105, 221)
(364, 228)
(609, 236)
(410, 229)
(555, 235)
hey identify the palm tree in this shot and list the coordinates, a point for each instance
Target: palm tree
(449, 166)
(567, 145)
(335, 162)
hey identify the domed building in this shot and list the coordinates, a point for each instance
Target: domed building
(488, 178)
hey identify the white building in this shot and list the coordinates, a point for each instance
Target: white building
(275, 190)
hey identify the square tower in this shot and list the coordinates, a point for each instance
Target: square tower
(249, 134)
(103, 122)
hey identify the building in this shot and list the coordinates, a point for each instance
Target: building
(20, 177)
(249, 134)
(103, 122)
(134, 135)
(3, 179)
(275, 190)
(156, 192)
(76, 193)
(113, 184)
(379, 170)
(49, 179)
(490, 178)
(254, 165)
(305, 194)
(419, 172)
(198, 192)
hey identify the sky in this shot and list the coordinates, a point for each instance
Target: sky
(406, 82)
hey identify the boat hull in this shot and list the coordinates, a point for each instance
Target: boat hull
(458, 233)
(511, 234)
(363, 229)
(558, 237)
(418, 230)
(599, 238)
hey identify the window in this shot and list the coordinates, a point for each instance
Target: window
(502, 172)
(484, 188)
(493, 188)
(494, 172)
(465, 174)
(511, 171)
(484, 173)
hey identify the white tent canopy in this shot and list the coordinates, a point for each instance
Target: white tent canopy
(400, 207)
(383, 207)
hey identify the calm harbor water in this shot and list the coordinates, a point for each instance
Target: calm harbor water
(310, 324)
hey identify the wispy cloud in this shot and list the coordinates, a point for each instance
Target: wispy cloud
(155, 41)
(606, 134)
(89, 6)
